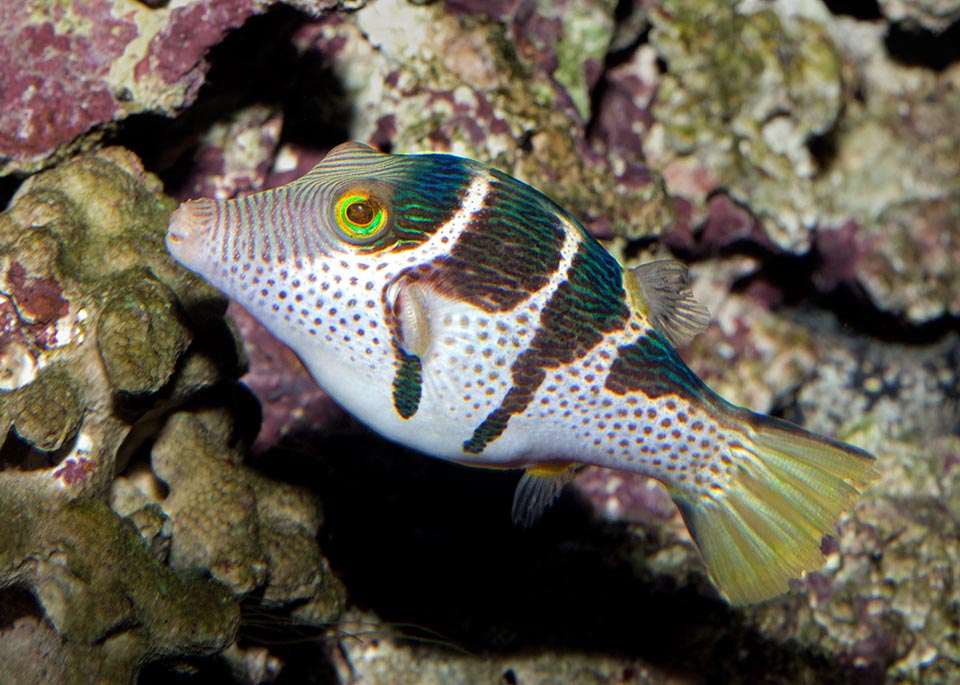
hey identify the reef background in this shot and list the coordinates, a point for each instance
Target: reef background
(179, 503)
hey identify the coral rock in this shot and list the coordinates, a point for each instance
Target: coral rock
(245, 530)
(212, 505)
(101, 334)
(140, 335)
(107, 624)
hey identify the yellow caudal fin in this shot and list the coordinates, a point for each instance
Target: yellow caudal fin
(786, 489)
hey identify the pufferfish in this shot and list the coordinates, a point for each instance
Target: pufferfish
(458, 311)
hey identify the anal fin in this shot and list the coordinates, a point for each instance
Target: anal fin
(665, 294)
(539, 487)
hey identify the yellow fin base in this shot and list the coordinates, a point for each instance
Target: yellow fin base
(539, 487)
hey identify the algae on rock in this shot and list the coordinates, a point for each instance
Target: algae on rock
(806, 122)
(102, 335)
(741, 98)
(513, 91)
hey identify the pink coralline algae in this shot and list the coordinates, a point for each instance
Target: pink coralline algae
(58, 89)
(30, 308)
(74, 470)
(39, 300)
(175, 52)
(72, 74)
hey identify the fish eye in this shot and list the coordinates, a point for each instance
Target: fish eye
(360, 216)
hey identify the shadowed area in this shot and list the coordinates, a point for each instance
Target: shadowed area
(430, 544)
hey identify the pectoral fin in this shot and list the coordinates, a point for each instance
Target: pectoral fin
(539, 487)
(410, 322)
(413, 318)
(663, 290)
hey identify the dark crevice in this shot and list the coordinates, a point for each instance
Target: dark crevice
(915, 46)
(631, 31)
(243, 71)
(855, 311)
(787, 280)
(17, 602)
(793, 279)
(8, 186)
(823, 148)
(865, 10)
(318, 111)
(423, 542)
(18, 454)
(299, 646)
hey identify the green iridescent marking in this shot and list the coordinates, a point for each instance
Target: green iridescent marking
(400, 202)
(650, 365)
(407, 384)
(429, 192)
(360, 217)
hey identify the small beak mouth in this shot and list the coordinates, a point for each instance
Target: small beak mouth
(189, 225)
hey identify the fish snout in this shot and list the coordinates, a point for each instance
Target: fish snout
(190, 226)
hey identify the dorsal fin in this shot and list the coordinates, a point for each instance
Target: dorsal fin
(672, 309)
(351, 148)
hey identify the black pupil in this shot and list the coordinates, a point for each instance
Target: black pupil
(360, 213)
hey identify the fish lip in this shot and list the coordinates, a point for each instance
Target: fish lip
(188, 224)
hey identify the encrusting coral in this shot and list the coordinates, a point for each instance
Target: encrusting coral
(103, 338)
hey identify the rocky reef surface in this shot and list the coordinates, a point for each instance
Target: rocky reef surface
(131, 531)
(803, 157)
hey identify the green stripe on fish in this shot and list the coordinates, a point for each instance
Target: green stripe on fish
(429, 194)
(407, 384)
(651, 366)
